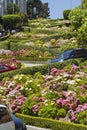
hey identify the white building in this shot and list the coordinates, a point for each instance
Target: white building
(21, 3)
(3, 6)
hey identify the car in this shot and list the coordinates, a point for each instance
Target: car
(4, 68)
(69, 54)
(6, 121)
(19, 124)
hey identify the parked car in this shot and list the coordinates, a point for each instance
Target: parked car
(4, 68)
(69, 54)
(19, 124)
(6, 121)
(9, 121)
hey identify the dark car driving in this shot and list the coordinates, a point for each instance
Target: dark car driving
(19, 124)
(69, 54)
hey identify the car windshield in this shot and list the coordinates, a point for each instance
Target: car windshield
(64, 55)
(3, 67)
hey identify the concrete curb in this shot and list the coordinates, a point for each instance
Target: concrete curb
(29, 127)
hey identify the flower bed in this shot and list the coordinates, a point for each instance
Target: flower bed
(11, 62)
(61, 95)
(25, 53)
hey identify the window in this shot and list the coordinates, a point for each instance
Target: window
(78, 53)
(3, 67)
(5, 115)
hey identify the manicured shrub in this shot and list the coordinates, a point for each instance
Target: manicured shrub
(61, 113)
(48, 111)
(51, 124)
(11, 21)
(66, 13)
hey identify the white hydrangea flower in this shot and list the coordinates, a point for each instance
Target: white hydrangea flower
(71, 82)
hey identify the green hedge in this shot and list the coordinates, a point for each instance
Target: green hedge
(45, 31)
(4, 37)
(31, 58)
(43, 69)
(49, 123)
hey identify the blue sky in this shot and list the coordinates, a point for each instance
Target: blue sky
(57, 6)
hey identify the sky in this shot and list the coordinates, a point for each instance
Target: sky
(58, 6)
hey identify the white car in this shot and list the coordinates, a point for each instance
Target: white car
(6, 121)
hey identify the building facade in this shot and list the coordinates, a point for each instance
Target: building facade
(21, 3)
(3, 6)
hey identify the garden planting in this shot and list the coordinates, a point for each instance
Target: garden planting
(45, 39)
(11, 62)
(62, 95)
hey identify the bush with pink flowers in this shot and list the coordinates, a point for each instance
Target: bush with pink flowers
(60, 95)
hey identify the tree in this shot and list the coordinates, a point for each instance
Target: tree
(35, 8)
(84, 3)
(82, 35)
(82, 31)
(75, 17)
(11, 21)
(66, 14)
(24, 18)
(45, 10)
(0, 27)
(1, 21)
(12, 8)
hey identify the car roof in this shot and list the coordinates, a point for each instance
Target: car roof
(67, 51)
(73, 50)
(2, 105)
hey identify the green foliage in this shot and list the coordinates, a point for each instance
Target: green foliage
(49, 123)
(3, 39)
(12, 8)
(27, 106)
(42, 69)
(24, 18)
(82, 64)
(45, 12)
(45, 31)
(84, 3)
(1, 21)
(38, 36)
(52, 95)
(38, 75)
(64, 86)
(11, 21)
(33, 85)
(82, 35)
(75, 17)
(20, 78)
(48, 111)
(82, 99)
(81, 117)
(61, 113)
(0, 27)
(66, 13)
(35, 8)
